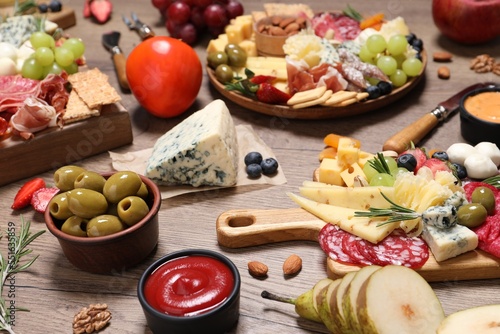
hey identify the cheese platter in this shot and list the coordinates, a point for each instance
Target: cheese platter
(252, 227)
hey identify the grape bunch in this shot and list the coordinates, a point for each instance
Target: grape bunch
(188, 19)
(51, 56)
(393, 57)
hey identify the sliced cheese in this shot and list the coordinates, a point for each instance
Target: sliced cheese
(359, 198)
(448, 243)
(350, 173)
(329, 172)
(344, 218)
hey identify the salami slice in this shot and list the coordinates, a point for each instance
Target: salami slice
(330, 240)
(352, 246)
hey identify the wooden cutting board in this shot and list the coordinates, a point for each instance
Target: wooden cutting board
(245, 228)
(64, 19)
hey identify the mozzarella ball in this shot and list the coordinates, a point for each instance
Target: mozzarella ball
(7, 66)
(458, 152)
(490, 150)
(479, 166)
(8, 50)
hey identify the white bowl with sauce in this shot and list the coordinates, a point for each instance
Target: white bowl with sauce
(480, 115)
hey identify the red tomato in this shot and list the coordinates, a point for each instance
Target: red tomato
(164, 75)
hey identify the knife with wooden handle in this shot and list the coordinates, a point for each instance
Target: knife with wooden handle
(414, 132)
(110, 41)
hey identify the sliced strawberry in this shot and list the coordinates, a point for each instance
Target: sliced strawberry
(419, 154)
(267, 93)
(24, 195)
(42, 197)
(436, 165)
(259, 79)
(101, 10)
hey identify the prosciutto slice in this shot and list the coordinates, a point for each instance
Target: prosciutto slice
(35, 115)
(14, 89)
(302, 78)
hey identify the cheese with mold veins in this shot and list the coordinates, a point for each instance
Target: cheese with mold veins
(201, 150)
(451, 242)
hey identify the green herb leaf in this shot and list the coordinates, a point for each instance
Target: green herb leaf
(379, 164)
(352, 13)
(393, 214)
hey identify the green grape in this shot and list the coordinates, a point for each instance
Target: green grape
(71, 68)
(53, 68)
(399, 78)
(397, 45)
(392, 164)
(387, 64)
(75, 45)
(412, 66)
(365, 55)
(64, 57)
(373, 81)
(32, 69)
(376, 43)
(39, 39)
(369, 171)
(399, 59)
(382, 179)
(44, 56)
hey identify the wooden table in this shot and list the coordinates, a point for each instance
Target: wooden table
(54, 290)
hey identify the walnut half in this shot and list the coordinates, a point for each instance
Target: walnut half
(91, 319)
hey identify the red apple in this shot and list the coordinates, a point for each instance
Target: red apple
(467, 21)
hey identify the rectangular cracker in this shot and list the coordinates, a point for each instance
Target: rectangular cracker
(306, 95)
(339, 96)
(93, 88)
(284, 9)
(77, 110)
(319, 100)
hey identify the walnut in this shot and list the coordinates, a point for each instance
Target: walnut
(496, 69)
(91, 319)
(482, 64)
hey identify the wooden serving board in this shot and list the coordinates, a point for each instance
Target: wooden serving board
(64, 19)
(55, 147)
(245, 228)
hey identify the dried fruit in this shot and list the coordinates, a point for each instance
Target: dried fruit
(257, 269)
(292, 265)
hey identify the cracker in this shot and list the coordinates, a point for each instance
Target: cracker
(93, 88)
(284, 9)
(77, 110)
(319, 100)
(339, 96)
(306, 95)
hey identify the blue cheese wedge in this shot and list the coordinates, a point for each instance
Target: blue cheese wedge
(201, 150)
(17, 29)
(441, 216)
(448, 243)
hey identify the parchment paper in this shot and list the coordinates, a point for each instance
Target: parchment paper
(248, 141)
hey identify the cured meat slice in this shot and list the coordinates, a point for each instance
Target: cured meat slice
(14, 89)
(342, 27)
(352, 245)
(330, 240)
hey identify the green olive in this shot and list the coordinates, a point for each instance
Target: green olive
(216, 58)
(484, 196)
(58, 206)
(86, 203)
(76, 226)
(65, 176)
(132, 209)
(143, 191)
(224, 73)
(236, 57)
(120, 185)
(90, 180)
(104, 225)
(471, 215)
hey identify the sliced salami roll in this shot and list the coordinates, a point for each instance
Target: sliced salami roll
(330, 240)
(353, 246)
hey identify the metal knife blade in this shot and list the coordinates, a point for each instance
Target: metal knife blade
(414, 132)
(110, 41)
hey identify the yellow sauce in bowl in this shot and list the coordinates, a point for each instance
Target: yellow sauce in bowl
(485, 106)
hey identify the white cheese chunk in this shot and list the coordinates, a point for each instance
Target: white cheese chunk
(448, 243)
(201, 150)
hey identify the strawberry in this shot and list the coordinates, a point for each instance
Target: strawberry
(435, 165)
(86, 9)
(259, 79)
(24, 195)
(267, 93)
(101, 10)
(42, 197)
(419, 154)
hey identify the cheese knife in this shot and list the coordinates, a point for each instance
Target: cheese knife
(110, 41)
(414, 132)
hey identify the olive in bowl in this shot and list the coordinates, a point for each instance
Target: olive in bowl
(107, 252)
(189, 292)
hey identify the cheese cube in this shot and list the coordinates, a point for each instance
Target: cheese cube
(347, 152)
(234, 34)
(245, 22)
(329, 172)
(364, 157)
(350, 173)
(450, 242)
(217, 44)
(249, 47)
(201, 150)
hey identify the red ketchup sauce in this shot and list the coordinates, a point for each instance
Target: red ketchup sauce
(189, 285)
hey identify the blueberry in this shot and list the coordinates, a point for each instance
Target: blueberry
(461, 172)
(417, 43)
(373, 92)
(253, 158)
(385, 87)
(441, 155)
(43, 8)
(419, 56)
(410, 38)
(55, 6)
(407, 161)
(254, 171)
(269, 166)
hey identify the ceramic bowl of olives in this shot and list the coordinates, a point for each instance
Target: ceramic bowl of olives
(104, 222)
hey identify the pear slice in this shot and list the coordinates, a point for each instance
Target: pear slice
(476, 320)
(327, 309)
(319, 290)
(396, 300)
(349, 302)
(339, 310)
(304, 306)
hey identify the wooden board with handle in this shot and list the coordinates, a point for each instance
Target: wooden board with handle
(245, 228)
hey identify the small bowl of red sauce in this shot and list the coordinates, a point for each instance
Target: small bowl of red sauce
(190, 291)
(480, 115)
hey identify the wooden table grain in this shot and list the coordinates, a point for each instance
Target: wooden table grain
(53, 290)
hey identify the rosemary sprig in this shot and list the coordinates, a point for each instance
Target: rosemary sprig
(353, 13)
(379, 164)
(394, 213)
(243, 85)
(494, 181)
(14, 264)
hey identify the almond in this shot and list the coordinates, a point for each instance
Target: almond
(443, 72)
(292, 265)
(442, 56)
(257, 269)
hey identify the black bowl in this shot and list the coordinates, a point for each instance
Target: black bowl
(216, 321)
(475, 129)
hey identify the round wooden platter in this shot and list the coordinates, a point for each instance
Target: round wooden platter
(318, 112)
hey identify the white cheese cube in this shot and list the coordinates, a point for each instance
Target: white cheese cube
(201, 150)
(451, 242)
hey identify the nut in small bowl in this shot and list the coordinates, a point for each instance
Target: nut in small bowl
(271, 33)
(114, 252)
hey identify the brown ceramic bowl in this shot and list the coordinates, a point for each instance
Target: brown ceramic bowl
(115, 252)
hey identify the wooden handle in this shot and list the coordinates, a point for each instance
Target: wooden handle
(412, 133)
(120, 61)
(244, 228)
